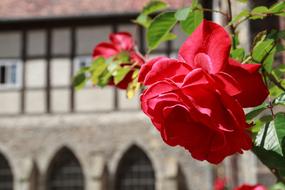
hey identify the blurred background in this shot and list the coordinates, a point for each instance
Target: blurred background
(55, 138)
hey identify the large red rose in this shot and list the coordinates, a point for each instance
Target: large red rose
(120, 42)
(197, 101)
(251, 187)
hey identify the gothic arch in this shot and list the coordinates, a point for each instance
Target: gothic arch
(6, 174)
(135, 171)
(65, 172)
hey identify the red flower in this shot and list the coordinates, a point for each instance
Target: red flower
(120, 42)
(220, 184)
(196, 101)
(251, 187)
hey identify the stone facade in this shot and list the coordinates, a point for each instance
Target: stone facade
(98, 141)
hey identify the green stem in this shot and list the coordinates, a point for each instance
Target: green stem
(232, 27)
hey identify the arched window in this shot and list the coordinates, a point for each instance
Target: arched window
(6, 176)
(65, 172)
(135, 171)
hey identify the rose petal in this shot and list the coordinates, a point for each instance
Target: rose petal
(196, 77)
(105, 49)
(253, 89)
(122, 40)
(165, 68)
(227, 83)
(146, 67)
(211, 39)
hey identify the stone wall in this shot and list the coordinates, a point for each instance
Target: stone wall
(98, 141)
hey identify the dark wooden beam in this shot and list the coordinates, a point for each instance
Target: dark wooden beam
(24, 59)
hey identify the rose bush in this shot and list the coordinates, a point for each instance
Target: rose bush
(197, 101)
(121, 42)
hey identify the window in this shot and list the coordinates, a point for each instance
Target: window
(82, 61)
(65, 172)
(135, 171)
(6, 176)
(10, 73)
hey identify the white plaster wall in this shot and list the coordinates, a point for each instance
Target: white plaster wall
(9, 102)
(60, 100)
(91, 99)
(35, 73)
(125, 103)
(10, 44)
(35, 101)
(60, 72)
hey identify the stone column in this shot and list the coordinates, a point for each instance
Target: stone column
(96, 177)
(169, 180)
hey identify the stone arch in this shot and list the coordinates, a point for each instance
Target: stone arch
(6, 173)
(181, 180)
(135, 170)
(65, 166)
(34, 178)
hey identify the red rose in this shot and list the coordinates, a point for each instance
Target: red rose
(251, 187)
(120, 42)
(196, 101)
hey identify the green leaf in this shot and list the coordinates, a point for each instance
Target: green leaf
(160, 28)
(154, 6)
(275, 91)
(256, 111)
(270, 137)
(278, 186)
(79, 81)
(259, 37)
(133, 88)
(238, 54)
(193, 20)
(277, 7)
(98, 66)
(261, 49)
(104, 78)
(271, 159)
(169, 36)
(121, 74)
(143, 20)
(259, 12)
(268, 62)
(182, 14)
(243, 14)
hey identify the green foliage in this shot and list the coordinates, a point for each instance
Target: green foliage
(152, 7)
(271, 159)
(269, 144)
(280, 100)
(121, 74)
(256, 111)
(271, 136)
(277, 7)
(259, 12)
(160, 28)
(183, 13)
(80, 79)
(97, 68)
(134, 86)
(242, 15)
(238, 54)
(278, 186)
(193, 20)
